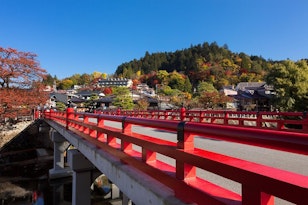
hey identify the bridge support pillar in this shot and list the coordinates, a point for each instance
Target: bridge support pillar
(60, 145)
(82, 169)
(126, 200)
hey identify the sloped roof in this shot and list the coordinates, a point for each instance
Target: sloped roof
(250, 85)
(60, 97)
(104, 100)
(250, 95)
(77, 100)
(87, 92)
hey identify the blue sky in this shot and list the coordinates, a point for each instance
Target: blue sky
(83, 36)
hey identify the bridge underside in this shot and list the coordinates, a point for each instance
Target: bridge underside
(137, 186)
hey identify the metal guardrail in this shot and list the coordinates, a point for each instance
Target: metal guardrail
(260, 183)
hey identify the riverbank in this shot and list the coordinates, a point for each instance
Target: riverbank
(8, 190)
(8, 132)
(12, 194)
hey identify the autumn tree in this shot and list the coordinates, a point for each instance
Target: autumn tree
(104, 75)
(21, 87)
(66, 84)
(96, 74)
(85, 79)
(162, 75)
(142, 104)
(107, 90)
(176, 81)
(19, 69)
(213, 100)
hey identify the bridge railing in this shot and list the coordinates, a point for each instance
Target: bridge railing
(259, 183)
(286, 121)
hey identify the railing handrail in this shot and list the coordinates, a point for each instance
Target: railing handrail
(285, 121)
(259, 182)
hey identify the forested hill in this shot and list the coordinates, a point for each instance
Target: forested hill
(206, 62)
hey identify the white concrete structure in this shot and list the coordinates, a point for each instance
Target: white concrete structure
(60, 145)
(136, 186)
(82, 181)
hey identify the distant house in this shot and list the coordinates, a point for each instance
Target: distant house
(86, 94)
(109, 82)
(231, 92)
(144, 90)
(254, 96)
(59, 97)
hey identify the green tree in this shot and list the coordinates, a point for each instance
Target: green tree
(128, 73)
(75, 79)
(206, 87)
(187, 85)
(60, 106)
(166, 90)
(290, 81)
(123, 98)
(49, 80)
(85, 79)
(176, 81)
(66, 84)
(91, 103)
(162, 75)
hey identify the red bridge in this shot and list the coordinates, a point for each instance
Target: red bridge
(151, 169)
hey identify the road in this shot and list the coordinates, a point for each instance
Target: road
(278, 159)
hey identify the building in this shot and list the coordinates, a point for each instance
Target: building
(115, 82)
(254, 96)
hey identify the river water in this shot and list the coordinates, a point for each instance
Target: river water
(19, 190)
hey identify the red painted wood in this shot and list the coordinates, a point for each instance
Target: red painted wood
(259, 183)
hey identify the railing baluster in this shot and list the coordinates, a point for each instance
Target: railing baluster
(100, 123)
(126, 129)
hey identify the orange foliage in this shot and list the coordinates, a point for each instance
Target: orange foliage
(21, 89)
(107, 91)
(136, 82)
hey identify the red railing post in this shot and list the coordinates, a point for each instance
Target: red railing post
(185, 143)
(166, 115)
(148, 155)
(100, 124)
(118, 111)
(259, 120)
(305, 121)
(69, 115)
(51, 114)
(126, 129)
(253, 196)
(182, 113)
(36, 114)
(226, 120)
(86, 130)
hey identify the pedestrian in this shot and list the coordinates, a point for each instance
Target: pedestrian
(39, 199)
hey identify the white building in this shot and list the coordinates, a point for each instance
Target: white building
(115, 82)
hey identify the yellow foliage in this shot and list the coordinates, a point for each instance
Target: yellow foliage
(96, 74)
